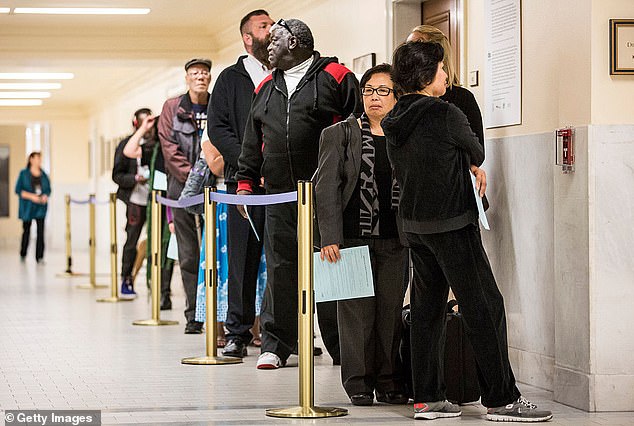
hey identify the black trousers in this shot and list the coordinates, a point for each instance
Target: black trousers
(244, 252)
(26, 236)
(457, 259)
(135, 219)
(188, 257)
(278, 318)
(370, 328)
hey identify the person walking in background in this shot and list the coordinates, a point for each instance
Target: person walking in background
(33, 187)
(182, 124)
(131, 174)
(227, 116)
(356, 198)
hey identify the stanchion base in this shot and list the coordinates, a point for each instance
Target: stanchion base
(306, 412)
(71, 274)
(92, 287)
(114, 300)
(211, 360)
(155, 322)
(78, 274)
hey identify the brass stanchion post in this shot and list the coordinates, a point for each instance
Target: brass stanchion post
(114, 292)
(69, 256)
(155, 272)
(92, 246)
(211, 291)
(306, 307)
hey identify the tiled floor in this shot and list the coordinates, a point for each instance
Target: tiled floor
(62, 350)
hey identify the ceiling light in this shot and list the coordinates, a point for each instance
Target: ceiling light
(5, 9)
(24, 95)
(20, 102)
(30, 86)
(36, 75)
(81, 10)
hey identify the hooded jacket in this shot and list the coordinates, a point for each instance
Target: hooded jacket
(281, 141)
(431, 148)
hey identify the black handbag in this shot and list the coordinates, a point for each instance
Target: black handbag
(199, 177)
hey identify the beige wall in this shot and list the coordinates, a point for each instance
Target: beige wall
(11, 227)
(555, 63)
(611, 95)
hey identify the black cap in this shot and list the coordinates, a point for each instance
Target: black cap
(198, 61)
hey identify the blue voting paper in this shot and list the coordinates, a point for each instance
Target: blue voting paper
(348, 278)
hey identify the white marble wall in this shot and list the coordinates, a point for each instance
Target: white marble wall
(520, 246)
(560, 250)
(612, 265)
(572, 379)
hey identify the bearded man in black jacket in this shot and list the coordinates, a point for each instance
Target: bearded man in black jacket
(227, 115)
(305, 94)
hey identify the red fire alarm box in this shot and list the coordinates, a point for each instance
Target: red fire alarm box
(565, 151)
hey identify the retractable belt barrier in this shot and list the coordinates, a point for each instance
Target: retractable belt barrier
(306, 305)
(114, 288)
(68, 273)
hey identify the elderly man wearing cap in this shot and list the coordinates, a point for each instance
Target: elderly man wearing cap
(183, 121)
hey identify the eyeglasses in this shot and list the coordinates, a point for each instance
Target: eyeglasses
(198, 73)
(282, 23)
(381, 91)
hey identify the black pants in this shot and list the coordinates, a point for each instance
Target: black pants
(278, 318)
(26, 235)
(135, 219)
(457, 259)
(188, 257)
(370, 327)
(244, 252)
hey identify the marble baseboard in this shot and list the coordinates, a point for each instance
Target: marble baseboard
(573, 388)
(612, 392)
(532, 368)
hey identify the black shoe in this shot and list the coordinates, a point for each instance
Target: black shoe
(194, 327)
(166, 303)
(235, 348)
(317, 351)
(392, 397)
(364, 399)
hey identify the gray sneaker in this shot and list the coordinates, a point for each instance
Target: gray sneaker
(436, 410)
(521, 410)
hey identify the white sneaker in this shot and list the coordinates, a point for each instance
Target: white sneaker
(269, 361)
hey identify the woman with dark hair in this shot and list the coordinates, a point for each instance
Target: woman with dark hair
(355, 199)
(33, 187)
(455, 93)
(432, 147)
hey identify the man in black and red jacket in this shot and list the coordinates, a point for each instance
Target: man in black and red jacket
(305, 94)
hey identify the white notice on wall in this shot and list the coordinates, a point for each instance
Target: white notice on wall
(503, 82)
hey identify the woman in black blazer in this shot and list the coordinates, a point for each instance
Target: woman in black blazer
(356, 199)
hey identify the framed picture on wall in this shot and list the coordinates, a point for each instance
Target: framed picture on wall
(621, 46)
(363, 63)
